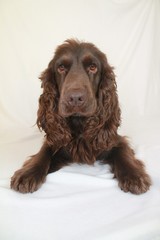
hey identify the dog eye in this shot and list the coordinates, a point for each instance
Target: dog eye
(93, 68)
(61, 68)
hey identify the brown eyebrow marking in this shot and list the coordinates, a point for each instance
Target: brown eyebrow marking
(90, 59)
(64, 60)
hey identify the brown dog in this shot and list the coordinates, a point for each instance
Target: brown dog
(80, 114)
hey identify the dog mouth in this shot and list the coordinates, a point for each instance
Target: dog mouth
(85, 111)
(77, 114)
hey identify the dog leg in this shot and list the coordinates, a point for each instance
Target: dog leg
(33, 173)
(127, 169)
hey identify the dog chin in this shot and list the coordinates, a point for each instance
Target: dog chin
(76, 114)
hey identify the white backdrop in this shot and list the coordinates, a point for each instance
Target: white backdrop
(128, 31)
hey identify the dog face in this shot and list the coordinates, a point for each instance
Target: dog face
(77, 71)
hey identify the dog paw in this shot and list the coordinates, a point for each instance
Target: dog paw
(27, 180)
(135, 184)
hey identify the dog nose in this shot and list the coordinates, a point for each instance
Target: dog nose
(76, 99)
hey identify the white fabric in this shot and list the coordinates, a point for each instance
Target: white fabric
(79, 202)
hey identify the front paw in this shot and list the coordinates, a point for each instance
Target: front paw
(27, 180)
(135, 184)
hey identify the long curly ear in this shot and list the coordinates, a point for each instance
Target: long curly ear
(48, 119)
(48, 99)
(108, 99)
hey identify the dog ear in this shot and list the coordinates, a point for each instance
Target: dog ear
(108, 99)
(48, 99)
(109, 108)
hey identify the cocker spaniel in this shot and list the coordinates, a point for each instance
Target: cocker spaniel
(80, 114)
